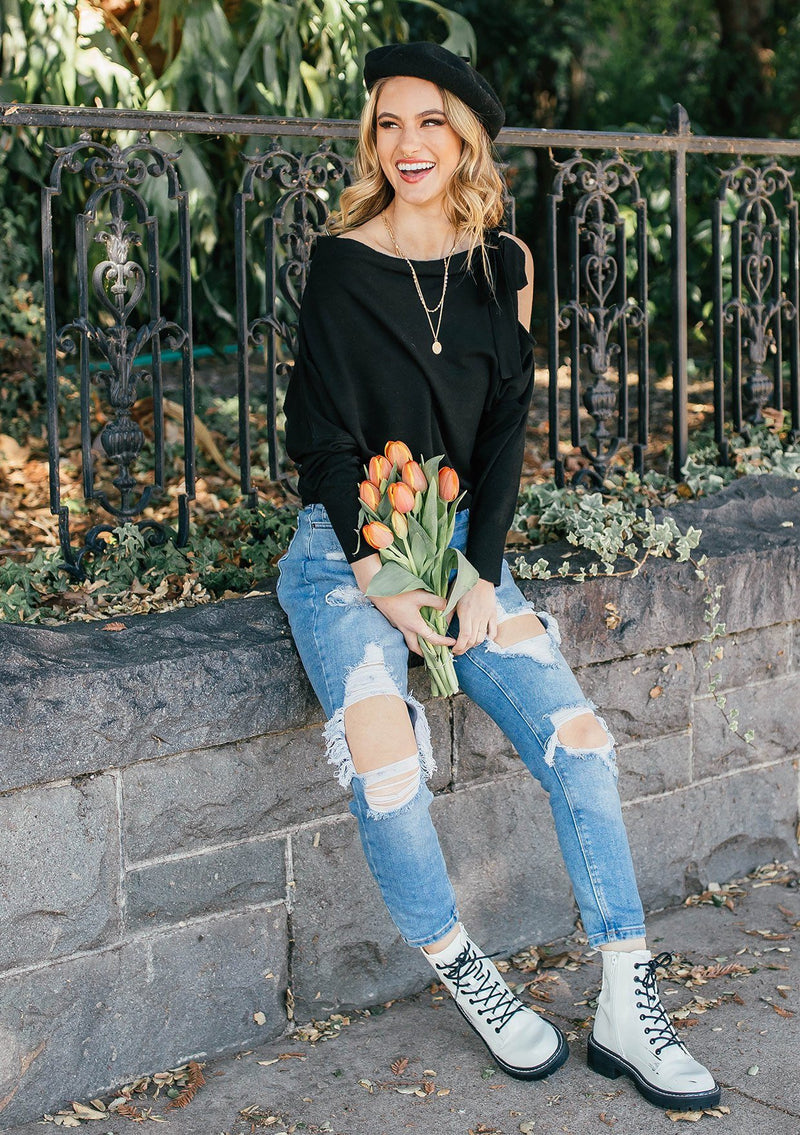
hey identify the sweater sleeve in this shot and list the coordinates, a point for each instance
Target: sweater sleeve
(500, 441)
(319, 403)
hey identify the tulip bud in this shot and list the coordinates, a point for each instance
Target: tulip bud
(378, 535)
(414, 477)
(399, 524)
(379, 469)
(397, 453)
(448, 483)
(370, 494)
(401, 497)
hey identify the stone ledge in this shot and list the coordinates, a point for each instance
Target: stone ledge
(74, 699)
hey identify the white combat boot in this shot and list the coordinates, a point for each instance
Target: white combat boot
(633, 1036)
(520, 1041)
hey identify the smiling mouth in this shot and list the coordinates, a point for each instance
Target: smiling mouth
(414, 171)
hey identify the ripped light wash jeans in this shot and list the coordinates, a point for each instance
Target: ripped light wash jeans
(350, 651)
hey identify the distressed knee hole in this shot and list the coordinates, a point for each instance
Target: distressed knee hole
(525, 634)
(518, 628)
(583, 732)
(580, 733)
(392, 787)
(376, 722)
(378, 731)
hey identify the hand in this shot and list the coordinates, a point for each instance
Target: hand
(477, 616)
(402, 611)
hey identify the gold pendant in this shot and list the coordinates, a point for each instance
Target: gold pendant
(437, 347)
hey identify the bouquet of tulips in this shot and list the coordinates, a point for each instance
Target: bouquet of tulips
(408, 513)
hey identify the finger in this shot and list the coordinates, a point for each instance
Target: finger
(491, 630)
(427, 599)
(466, 640)
(436, 639)
(411, 643)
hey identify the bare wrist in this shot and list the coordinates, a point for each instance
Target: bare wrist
(364, 569)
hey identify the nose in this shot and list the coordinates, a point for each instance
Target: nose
(409, 142)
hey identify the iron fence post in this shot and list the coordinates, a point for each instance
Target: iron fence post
(678, 125)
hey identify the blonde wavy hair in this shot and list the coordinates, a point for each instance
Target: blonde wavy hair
(474, 198)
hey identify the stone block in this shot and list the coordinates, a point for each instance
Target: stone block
(230, 792)
(76, 700)
(481, 749)
(711, 832)
(81, 1026)
(59, 850)
(647, 768)
(643, 696)
(500, 846)
(249, 874)
(744, 658)
(227, 793)
(768, 709)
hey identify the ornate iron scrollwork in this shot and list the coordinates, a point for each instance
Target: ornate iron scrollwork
(110, 294)
(758, 310)
(298, 215)
(599, 311)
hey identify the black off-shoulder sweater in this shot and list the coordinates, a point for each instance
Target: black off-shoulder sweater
(365, 374)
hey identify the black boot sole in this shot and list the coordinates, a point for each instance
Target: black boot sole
(608, 1064)
(540, 1071)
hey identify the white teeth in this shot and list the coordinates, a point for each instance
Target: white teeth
(413, 167)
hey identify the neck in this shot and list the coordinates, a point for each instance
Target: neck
(421, 234)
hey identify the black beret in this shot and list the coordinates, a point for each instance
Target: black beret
(438, 65)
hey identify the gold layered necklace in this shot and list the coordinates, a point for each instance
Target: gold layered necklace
(429, 311)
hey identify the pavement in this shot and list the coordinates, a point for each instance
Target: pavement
(414, 1065)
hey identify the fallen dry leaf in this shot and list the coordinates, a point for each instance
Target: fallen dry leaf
(783, 1012)
(114, 627)
(399, 1066)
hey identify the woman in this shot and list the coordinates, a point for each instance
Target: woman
(414, 326)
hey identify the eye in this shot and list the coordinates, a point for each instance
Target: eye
(386, 124)
(434, 122)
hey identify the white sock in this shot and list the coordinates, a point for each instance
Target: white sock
(449, 954)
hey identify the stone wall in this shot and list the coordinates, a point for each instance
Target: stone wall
(176, 854)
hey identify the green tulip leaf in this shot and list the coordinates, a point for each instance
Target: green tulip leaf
(466, 577)
(423, 548)
(394, 579)
(430, 509)
(431, 468)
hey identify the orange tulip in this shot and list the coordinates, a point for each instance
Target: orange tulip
(370, 494)
(414, 477)
(448, 483)
(397, 452)
(399, 524)
(378, 535)
(401, 497)
(379, 468)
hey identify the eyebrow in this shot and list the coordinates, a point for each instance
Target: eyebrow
(422, 114)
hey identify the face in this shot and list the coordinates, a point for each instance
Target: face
(417, 147)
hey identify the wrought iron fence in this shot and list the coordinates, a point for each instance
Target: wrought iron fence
(596, 271)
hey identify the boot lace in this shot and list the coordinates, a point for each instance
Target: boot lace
(661, 1031)
(492, 998)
